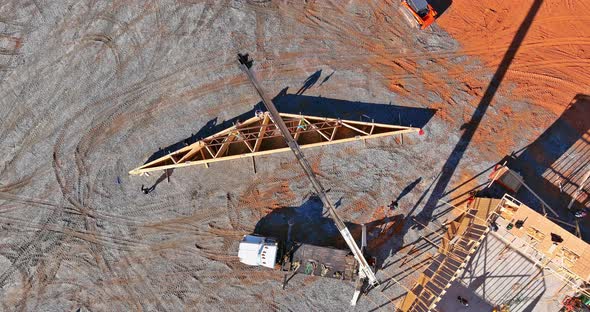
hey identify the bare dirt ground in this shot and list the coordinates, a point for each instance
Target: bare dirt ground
(90, 89)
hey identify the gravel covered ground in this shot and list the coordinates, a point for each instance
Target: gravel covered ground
(91, 89)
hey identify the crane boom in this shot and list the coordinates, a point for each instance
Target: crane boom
(364, 267)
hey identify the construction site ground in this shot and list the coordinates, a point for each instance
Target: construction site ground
(92, 89)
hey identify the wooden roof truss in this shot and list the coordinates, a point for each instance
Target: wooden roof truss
(259, 136)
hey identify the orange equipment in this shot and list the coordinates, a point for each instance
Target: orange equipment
(421, 11)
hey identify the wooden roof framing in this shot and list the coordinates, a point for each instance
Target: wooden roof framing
(568, 260)
(260, 136)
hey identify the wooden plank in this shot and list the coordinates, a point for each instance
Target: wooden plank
(242, 125)
(230, 137)
(429, 241)
(316, 129)
(147, 168)
(261, 133)
(266, 119)
(192, 152)
(209, 150)
(350, 122)
(354, 128)
(250, 147)
(298, 130)
(334, 133)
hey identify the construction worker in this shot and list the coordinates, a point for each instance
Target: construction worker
(581, 213)
(471, 198)
(394, 205)
(463, 301)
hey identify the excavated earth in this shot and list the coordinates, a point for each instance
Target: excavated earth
(91, 89)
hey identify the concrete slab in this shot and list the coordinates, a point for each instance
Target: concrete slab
(449, 302)
(499, 274)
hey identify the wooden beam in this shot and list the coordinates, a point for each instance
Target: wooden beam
(192, 152)
(355, 128)
(147, 168)
(350, 122)
(560, 221)
(316, 129)
(209, 150)
(334, 133)
(429, 241)
(298, 130)
(221, 151)
(261, 133)
(222, 133)
(246, 141)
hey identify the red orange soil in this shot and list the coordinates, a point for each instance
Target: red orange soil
(550, 67)
(95, 89)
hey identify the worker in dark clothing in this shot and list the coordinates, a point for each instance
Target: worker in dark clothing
(582, 213)
(463, 301)
(394, 205)
(144, 189)
(494, 226)
(471, 198)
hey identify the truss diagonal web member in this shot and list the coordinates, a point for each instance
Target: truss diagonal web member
(259, 135)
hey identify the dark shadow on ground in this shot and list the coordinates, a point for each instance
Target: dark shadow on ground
(311, 225)
(533, 304)
(315, 106)
(524, 293)
(166, 175)
(562, 154)
(405, 192)
(551, 157)
(310, 81)
(470, 127)
(327, 78)
(440, 6)
(353, 110)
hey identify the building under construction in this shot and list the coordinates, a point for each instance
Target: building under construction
(525, 241)
(486, 232)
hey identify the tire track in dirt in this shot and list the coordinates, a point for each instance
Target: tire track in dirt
(113, 241)
(22, 261)
(81, 197)
(76, 165)
(13, 36)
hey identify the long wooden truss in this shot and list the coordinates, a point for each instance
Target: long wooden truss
(260, 136)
